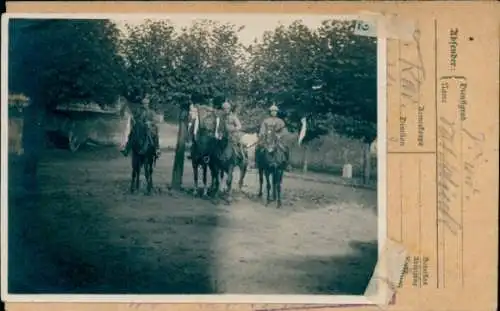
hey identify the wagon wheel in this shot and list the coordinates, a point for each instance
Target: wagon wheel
(74, 143)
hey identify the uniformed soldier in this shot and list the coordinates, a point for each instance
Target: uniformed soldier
(193, 114)
(233, 126)
(274, 124)
(146, 117)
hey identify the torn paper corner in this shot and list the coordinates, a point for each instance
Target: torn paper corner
(388, 272)
(385, 26)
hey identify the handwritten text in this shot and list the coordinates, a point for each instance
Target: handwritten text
(448, 186)
(412, 75)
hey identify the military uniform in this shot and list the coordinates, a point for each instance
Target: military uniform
(145, 117)
(192, 116)
(233, 127)
(272, 124)
(276, 125)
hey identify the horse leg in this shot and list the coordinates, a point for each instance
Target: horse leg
(229, 180)
(243, 172)
(138, 173)
(150, 172)
(205, 188)
(151, 165)
(195, 172)
(147, 175)
(268, 186)
(277, 185)
(221, 176)
(261, 181)
(215, 179)
(134, 172)
(274, 176)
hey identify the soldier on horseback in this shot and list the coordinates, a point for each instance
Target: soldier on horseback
(145, 117)
(275, 124)
(233, 127)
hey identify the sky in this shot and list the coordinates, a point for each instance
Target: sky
(255, 24)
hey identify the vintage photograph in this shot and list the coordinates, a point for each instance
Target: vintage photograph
(190, 154)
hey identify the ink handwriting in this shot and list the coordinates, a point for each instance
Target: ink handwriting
(472, 144)
(412, 75)
(475, 157)
(447, 184)
(412, 71)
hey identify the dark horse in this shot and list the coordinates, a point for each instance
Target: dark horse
(203, 151)
(271, 161)
(142, 139)
(229, 157)
(203, 154)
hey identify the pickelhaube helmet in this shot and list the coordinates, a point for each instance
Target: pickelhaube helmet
(145, 100)
(273, 108)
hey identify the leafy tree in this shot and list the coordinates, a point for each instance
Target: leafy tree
(151, 54)
(194, 65)
(349, 71)
(61, 61)
(327, 74)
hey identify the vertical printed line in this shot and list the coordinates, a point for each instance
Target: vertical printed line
(438, 281)
(419, 202)
(401, 197)
(461, 244)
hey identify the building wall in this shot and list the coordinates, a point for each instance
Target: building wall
(100, 129)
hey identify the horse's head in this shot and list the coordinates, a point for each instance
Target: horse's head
(221, 132)
(271, 149)
(142, 134)
(270, 140)
(205, 134)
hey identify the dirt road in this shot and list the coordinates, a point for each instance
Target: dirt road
(82, 232)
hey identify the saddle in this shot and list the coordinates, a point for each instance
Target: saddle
(207, 119)
(149, 131)
(271, 137)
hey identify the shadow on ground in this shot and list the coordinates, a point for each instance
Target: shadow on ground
(62, 242)
(337, 275)
(80, 231)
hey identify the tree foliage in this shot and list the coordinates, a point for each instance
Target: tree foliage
(327, 73)
(198, 63)
(61, 61)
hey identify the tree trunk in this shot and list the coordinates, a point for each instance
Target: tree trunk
(366, 163)
(33, 139)
(180, 151)
(305, 160)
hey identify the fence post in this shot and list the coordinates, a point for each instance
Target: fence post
(180, 150)
(305, 159)
(366, 163)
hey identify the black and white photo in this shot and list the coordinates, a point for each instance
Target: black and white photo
(191, 157)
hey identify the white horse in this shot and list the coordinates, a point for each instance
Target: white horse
(249, 140)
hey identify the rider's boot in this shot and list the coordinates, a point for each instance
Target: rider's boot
(125, 149)
(157, 146)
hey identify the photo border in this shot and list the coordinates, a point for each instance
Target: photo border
(208, 298)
